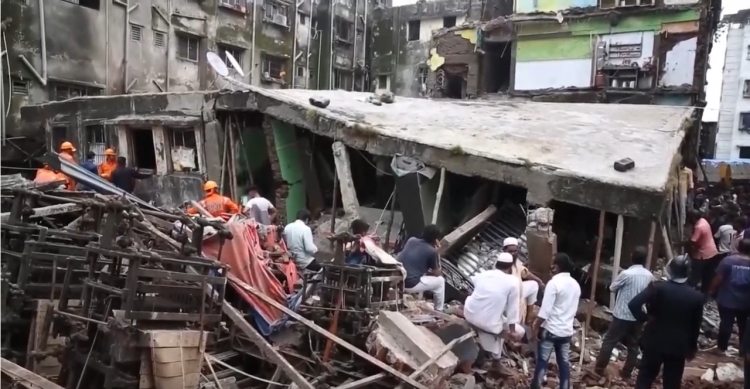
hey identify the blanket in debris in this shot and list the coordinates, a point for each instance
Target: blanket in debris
(248, 265)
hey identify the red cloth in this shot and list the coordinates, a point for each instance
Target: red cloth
(247, 262)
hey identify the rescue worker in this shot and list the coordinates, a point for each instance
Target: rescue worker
(673, 323)
(67, 152)
(215, 203)
(45, 174)
(109, 165)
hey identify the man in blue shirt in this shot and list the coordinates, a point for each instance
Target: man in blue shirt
(421, 261)
(731, 286)
(89, 164)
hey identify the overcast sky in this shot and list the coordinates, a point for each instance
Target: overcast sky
(713, 89)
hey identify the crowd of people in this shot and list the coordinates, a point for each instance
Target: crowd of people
(660, 320)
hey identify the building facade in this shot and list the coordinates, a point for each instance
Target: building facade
(616, 51)
(733, 134)
(60, 49)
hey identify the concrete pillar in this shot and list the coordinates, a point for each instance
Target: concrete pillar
(287, 169)
(346, 183)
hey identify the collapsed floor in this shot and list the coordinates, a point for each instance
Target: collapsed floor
(104, 291)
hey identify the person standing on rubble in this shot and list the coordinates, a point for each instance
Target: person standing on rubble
(214, 203)
(421, 261)
(258, 207)
(673, 323)
(702, 250)
(493, 307)
(624, 328)
(124, 177)
(67, 152)
(731, 287)
(528, 282)
(109, 165)
(554, 325)
(299, 240)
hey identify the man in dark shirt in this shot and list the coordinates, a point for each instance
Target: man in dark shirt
(124, 177)
(422, 264)
(673, 322)
(731, 286)
(745, 352)
(89, 163)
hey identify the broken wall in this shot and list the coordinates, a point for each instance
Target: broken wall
(399, 58)
(453, 53)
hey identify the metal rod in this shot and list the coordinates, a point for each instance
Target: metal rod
(333, 207)
(387, 245)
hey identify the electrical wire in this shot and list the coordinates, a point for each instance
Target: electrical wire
(371, 164)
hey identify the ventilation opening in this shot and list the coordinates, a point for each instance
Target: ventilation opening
(135, 32)
(20, 87)
(159, 39)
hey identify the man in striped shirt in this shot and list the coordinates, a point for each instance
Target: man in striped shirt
(624, 328)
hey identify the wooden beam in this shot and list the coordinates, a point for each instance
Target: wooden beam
(25, 377)
(456, 235)
(437, 356)
(268, 351)
(618, 255)
(321, 331)
(346, 182)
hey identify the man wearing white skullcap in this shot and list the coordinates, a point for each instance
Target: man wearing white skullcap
(528, 283)
(493, 307)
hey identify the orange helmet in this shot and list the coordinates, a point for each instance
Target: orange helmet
(110, 152)
(67, 146)
(209, 185)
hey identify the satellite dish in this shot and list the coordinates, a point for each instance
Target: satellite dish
(235, 64)
(217, 64)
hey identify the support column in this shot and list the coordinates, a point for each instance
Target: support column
(290, 195)
(346, 183)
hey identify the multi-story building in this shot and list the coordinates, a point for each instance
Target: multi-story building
(733, 134)
(60, 49)
(633, 51)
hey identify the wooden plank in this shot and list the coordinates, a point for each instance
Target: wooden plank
(455, 236)
(439, 355)
(25, 377)
(336, 339)
(268, 351)
(363, 382)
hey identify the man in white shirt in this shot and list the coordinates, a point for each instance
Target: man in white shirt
(299, 241)
(529, 284)
(554, 324)
(258, 207)
(493, 307)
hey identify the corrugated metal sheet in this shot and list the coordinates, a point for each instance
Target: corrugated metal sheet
(474, 257)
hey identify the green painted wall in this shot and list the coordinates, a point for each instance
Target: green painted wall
(570, 47)
(291, 167)
(601, 25)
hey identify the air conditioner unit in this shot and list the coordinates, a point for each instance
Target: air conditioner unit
(279, 19)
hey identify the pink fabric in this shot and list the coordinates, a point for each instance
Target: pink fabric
(247, 262)
(704, 240)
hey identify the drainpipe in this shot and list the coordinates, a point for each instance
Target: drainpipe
(169, 41)
(354, 46)
(307, 53)
(293, 70)
(106, 48)
(252, 66)
(127, 47)
(364, 47)
(42, 26)
(330, 64)
(320, 56)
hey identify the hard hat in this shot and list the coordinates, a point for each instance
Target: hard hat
(110, 152)
(67, 146)
(210, 185)
(678, 269)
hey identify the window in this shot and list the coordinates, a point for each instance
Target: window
(748, 52)
(342, 79)
(383, 81)
(276, 13)
(135, 32)
(93, 4)
(422, 76)
(59, 134)
(237, 53)
(300, 71)
(744, 152)
(95, 141)
(273, 67)
(744, 121)
(412, 31)
(144, 156)
(235, 4)
(183, 150)
(160, 39)
(302, 19)
(746, 89)
(20, 87)
(187, 48)
(62, 91)
(449, 21)
(343, 30)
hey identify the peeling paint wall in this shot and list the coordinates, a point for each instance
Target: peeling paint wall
(86, 48)
(553, 63)
(530, 6)
(403, 63)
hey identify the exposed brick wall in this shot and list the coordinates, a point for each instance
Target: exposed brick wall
(460, 58)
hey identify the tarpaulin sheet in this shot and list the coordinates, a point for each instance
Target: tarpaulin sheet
(247, 264)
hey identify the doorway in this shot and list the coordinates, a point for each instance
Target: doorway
(497, 66)
(143, 154)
